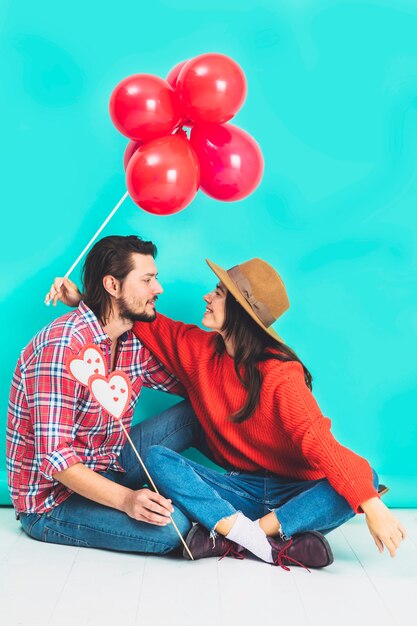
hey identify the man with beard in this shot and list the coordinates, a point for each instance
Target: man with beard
(73, 478)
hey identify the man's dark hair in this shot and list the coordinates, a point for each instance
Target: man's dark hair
(110, 256)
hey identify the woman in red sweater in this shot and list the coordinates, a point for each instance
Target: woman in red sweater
(288, 480)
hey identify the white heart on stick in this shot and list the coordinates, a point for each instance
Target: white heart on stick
(112, 393)
(89, 361)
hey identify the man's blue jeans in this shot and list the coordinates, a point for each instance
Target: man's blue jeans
(82, 522)
(206, 496)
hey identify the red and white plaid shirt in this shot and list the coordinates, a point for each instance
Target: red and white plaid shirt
(54, 422)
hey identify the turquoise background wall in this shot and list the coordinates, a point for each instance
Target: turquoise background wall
(332, 101)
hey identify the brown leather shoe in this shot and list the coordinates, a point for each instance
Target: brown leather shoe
(201, 545)
(309, 549)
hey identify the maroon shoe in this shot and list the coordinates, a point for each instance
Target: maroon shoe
(309, 549)
(201, 545)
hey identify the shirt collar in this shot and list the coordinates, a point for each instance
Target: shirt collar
(87, 316)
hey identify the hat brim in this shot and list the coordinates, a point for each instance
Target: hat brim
(230, 286)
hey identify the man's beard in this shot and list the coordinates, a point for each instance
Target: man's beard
(126, 313)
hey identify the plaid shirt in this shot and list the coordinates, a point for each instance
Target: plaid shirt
(54, 422)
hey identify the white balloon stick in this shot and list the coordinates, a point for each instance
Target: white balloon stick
(92, 240)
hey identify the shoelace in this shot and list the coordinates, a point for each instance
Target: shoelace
(233, 551)
(282, 555)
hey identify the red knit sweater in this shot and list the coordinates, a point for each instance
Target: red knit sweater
(287, 434)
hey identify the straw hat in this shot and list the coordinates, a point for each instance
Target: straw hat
(259, 290)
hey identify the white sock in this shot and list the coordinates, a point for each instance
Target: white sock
(250, 535)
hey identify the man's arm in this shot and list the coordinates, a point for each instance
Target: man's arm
(52, 395)
(143, 505)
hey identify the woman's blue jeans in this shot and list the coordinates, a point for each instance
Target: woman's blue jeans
(206, 496)
(82, 522)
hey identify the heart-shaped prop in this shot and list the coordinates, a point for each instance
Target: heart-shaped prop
(87, 363)
(112, 393)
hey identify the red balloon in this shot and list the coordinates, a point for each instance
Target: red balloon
(163, 176)
(212, 88)
(144, 107)
(174, 73)
(172, 79)
(231, 161)
(131, 148)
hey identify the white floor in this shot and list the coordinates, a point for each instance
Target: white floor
(45, 584)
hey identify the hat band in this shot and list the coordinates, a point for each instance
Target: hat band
(243, 284)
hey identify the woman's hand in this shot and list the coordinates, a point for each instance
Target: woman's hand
(65, 290)
(384, 527)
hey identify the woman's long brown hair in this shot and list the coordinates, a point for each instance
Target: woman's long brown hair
(252, 345)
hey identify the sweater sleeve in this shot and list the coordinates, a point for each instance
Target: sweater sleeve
(177, 345)
(348, 473)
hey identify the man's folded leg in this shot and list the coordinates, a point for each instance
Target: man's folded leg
(82, 522)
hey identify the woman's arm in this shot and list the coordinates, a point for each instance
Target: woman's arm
(177, 345)
(348, 473)
(65, 290)
(180, 347)
(384, 527)
(302, 419)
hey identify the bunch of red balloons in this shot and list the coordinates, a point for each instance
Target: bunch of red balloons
(165, 168)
